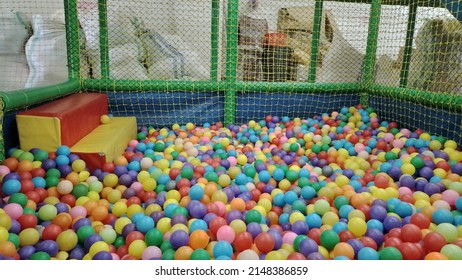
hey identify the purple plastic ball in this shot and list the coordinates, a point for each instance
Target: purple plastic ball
(48, 246)
(25, 252)
(300, 227)
(179, 238)
(431, 188)
(233, 215)
(77, 253)
(127, 229)
(80, 223)
(391, 222)
(179, 219)
(254, 229)
(378, 212)
(102, 255)
(308, 246)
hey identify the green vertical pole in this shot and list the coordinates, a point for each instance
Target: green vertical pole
(231, 61)
(315, 40)
(215, 29)
(404, 74)
(103, 39)
(371, 51)
(72, 39)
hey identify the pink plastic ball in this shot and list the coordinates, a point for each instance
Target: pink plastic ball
(137, 186)
(388, 137)
(115, 256)
(133, 143)
(221, 208)
(78, 211)
(232, 161)
(359, 147)
(404, 191)
(406, 132)
(289, 237)
(398, 143)
(151, 252)
(13, 210)
(4, 170)
(226, 233)
(450, 196)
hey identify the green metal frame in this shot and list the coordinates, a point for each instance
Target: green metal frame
(230, 86)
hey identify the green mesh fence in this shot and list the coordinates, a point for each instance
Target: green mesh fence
(223, 58)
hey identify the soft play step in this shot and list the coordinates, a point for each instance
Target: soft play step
(61, 122)
(106, 142)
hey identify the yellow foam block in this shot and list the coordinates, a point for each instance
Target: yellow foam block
(106, 142)
(32, 131)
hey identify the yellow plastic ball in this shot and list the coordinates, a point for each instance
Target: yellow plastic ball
(98, 246)
(121, 223)
(164, 225)
(357, 226)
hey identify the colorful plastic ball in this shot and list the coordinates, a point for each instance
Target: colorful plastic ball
(448, 231)
(136, 248)
(67, 240)
(200, 254)
(307, 246)
(248, 255)
(40, 256)
(222, 248)
(264, 242)
(179, 238)
(14, 210)
(226, 233)
(253, 216)
(151, 252)
(452, 252)
(48, 246)
(11, 186)
(390, 253)
(29, 236)
(442, 216)
(368, 253)
(357, 226)
(329, 239)
(243, 241)
(47, 212)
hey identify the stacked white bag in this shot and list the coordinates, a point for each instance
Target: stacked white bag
(46, 52)
(14, 33)
(126, 53)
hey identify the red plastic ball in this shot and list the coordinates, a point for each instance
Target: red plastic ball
(392, 242)
(433, 241)
(264, 242)
(216, 223)
(420, 220)
(51, 232)
(411, 233)
(315, 234)
(26, 185)
(296, 256)
(410, 251)
(27, 221)
(346, 235)
(243, 241)
(132, 236)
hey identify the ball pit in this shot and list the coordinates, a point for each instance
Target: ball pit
(336, 186)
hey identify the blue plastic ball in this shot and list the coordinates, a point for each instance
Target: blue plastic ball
(222, 248)
(11, 186)
(367, 253)
(196, 192)
(442, 216)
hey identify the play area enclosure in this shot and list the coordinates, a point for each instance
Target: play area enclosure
(234, 61)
